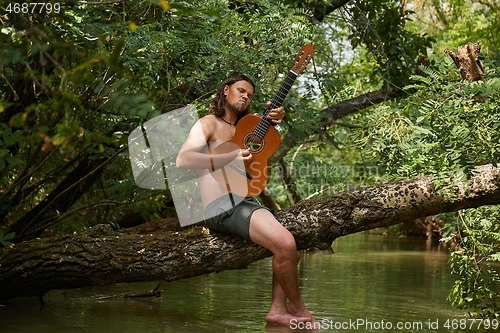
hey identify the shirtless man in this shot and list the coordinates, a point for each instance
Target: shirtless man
(247, 219)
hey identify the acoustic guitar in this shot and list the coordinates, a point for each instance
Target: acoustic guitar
(257, 134)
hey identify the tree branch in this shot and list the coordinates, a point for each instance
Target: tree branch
(321, 9)
(102, 256)
(361, 102)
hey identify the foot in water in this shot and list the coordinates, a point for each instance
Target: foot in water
(285, 318)
(283, 315)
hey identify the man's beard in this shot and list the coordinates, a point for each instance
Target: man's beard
(238, 107)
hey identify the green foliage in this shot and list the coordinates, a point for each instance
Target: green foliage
(8, 140)
(381, 27)
(444, 128)
(456, 22)
(74, 84)
(5, 237)
(477, 262)
(321, 171)
(324, 165)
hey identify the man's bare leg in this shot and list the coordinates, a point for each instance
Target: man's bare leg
(269, 233)
(278, 301)
(278, 313)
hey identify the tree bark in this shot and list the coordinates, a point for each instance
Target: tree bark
(101, 256)
(467, 61)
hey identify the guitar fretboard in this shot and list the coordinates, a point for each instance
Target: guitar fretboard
(264, 123)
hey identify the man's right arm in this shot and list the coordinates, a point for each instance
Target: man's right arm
(193, 154)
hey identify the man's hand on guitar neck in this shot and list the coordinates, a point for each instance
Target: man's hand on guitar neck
(276, 115)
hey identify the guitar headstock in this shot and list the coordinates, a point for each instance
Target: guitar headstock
(302, 58)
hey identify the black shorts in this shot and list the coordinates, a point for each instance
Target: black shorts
(223, 216)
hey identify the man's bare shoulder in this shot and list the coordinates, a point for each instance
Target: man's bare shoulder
(208, 123)
(208, 119)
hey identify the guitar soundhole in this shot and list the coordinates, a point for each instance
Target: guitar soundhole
(254, 143)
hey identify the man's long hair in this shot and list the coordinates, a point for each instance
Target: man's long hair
(217, 105)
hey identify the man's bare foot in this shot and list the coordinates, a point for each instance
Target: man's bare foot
(300, 311)
(285, 318)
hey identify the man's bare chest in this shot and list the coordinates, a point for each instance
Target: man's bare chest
(223, 134)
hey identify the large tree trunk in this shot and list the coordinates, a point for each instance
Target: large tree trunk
(102, 256)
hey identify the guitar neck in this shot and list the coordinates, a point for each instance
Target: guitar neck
(277, 101)
(282, 92)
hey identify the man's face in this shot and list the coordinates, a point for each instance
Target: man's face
(238, 95)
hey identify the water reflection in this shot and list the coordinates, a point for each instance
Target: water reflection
(271, 328)
(369, 278)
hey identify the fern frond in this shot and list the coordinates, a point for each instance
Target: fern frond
(431, 73)
(420, 78)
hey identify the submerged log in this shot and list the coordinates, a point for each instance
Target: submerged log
(101, 256)
(148, 293)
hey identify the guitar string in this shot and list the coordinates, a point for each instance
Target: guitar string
(265, 123)
(280, 96)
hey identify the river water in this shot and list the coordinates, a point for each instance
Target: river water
(371, 284)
